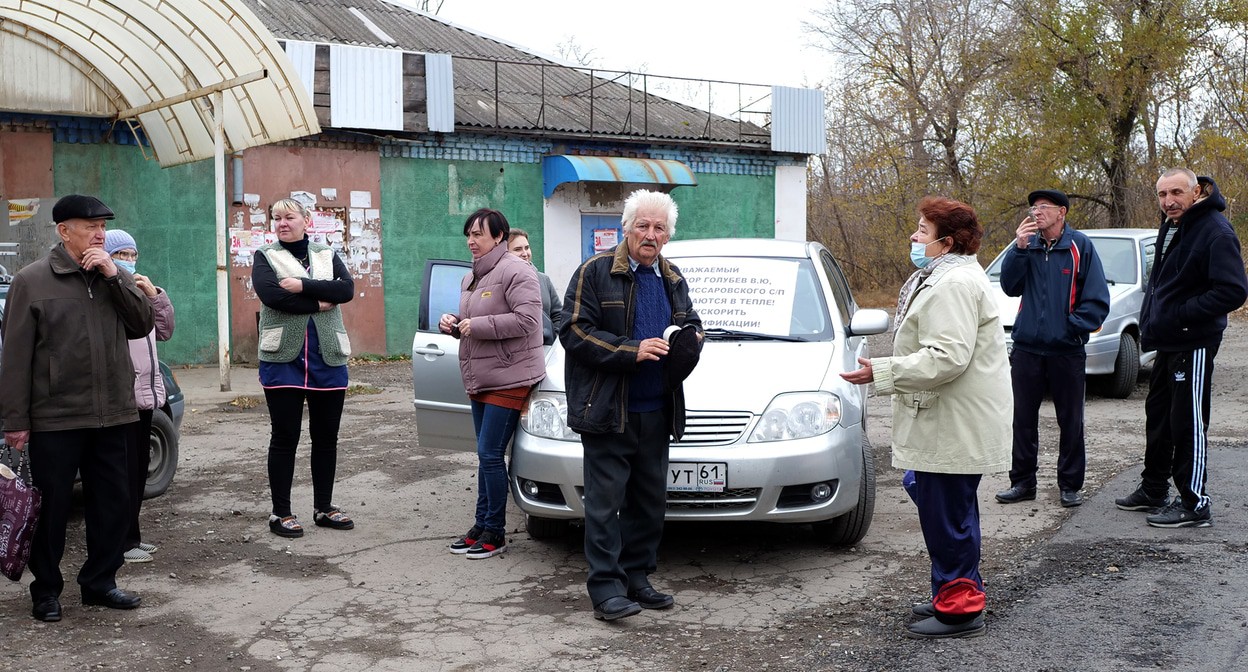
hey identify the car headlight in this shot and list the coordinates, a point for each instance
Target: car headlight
(546, 415)
(798, 415)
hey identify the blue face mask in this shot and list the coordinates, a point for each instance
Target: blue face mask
(918, 254)
(122, 263)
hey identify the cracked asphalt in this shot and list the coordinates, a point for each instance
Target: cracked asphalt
(1091, 588)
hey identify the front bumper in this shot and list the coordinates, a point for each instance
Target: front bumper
(766, 481)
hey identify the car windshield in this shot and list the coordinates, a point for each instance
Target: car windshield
(1119, 257)
(757, 298)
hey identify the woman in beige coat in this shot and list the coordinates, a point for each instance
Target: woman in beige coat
(949, 378)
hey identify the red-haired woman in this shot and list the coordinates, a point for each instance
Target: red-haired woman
(952, 406)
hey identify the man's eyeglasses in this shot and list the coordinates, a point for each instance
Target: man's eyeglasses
(1041, 208)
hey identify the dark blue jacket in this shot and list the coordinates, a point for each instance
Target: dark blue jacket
(597, 333)
(1063, 290)
(1196, 282)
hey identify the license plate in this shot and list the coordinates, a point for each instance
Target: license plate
(697, 476)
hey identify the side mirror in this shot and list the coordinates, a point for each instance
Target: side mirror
(868, 321)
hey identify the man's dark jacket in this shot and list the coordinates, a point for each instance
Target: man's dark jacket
(1064, 294)
(66, 362)
(597, 333)
(1197, 281)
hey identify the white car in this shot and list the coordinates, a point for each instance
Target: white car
(773, 433)
(1114, 356)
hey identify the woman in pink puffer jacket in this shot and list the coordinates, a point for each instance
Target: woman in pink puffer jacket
(501, 357)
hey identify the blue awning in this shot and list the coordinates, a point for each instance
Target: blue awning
(557, 170)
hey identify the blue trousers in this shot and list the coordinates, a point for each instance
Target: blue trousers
(495, 426)
(949, 517)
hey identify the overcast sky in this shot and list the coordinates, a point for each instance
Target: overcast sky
(731, 40)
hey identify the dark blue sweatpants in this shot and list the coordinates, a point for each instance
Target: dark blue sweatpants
(949, 516)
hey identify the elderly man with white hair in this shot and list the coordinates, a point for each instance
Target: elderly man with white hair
(625, 399)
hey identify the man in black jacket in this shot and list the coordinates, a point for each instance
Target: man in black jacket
(624, 401)
(67, 389)
(1197, 278)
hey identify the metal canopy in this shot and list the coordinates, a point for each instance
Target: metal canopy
(559, 169)
(144, 56)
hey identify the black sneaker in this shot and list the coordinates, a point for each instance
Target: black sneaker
(1177, 515)
(488, 546)
(1140, 500)
(462, 544)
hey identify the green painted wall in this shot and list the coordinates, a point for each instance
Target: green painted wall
(170, 212)
(727, 206)
(423, 207)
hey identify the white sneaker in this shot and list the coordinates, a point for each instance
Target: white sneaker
(137, 555)
(148, 548)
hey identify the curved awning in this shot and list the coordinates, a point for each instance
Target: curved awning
(157, 61)
(559, 169)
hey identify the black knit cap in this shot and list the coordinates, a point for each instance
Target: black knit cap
(77, 206)
(1057, 197)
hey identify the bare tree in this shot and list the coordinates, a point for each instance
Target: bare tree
(576, 53)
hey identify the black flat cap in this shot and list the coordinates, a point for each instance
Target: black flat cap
(682, 355)
(1057, 197)
(77, 206)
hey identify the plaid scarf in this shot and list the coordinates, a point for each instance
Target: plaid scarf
(910, 288)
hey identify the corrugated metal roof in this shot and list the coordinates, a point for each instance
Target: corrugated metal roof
(156, 61)
(531, 93)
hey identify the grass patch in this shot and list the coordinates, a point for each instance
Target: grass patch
(876, 298)
(370, 358)
(355, 390)
(246, 402)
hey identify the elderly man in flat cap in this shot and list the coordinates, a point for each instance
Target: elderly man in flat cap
(67, 393)
(1056, 271)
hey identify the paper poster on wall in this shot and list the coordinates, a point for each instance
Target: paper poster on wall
(324, 221)
(245, 242)
(305, 198)
(605, 239)
(329, 193)
(361, 199)
(251, 200)
(22, 209)
(743, 294)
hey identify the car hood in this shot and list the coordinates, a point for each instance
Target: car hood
(747, 375)
(1008, 305)
(737, 375)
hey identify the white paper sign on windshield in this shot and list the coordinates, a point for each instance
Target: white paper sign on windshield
(742, 293)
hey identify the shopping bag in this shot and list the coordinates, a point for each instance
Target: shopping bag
(19, 513)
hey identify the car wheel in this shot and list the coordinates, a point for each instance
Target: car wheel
(163, 461)
(545, 528)
(849, 528)
(1126, 373)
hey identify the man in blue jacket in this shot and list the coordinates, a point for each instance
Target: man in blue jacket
(1197, 278)
(1056, 271)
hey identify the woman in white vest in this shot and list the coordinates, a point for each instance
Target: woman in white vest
(303, 356)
